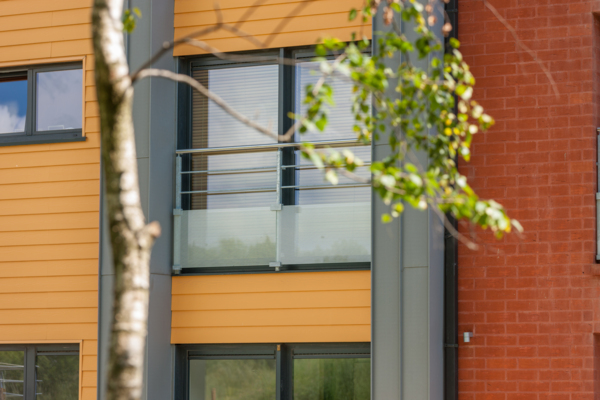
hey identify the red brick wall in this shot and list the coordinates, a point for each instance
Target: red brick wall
(533, 303)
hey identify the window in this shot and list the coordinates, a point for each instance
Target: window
(283, 372)
(248, 202)
(45, 372)
(41, 104)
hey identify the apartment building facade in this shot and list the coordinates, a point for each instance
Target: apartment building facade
(266, 283)
(260, 287)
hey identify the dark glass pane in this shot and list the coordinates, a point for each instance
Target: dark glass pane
(232, 380)
(58, 100)
(13, 104)
(332, 379)
(57, 376)
(12, 374)
(340, 119)
(252, 91)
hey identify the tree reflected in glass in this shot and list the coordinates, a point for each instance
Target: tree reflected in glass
(57, 377)
(232, 380)
(332, 379)
(12, 374)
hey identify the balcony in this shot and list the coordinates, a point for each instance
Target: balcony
(263, 206)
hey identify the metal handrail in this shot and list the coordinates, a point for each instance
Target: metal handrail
(278, 189)
(340, 186)
(307, 166)
(242, 190)
(232, 171)
(272, 146)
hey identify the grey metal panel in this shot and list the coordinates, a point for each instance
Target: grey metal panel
(104, 326)
(154, 120)
(162, 145)
(386, 281)
(158, 350)
(415, 338)
(436, 308)
(144, 181)
(407, 293)
(386, 352)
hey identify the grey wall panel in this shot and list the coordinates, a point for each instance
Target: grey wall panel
(386, 304)
(436, 308)
(407, 292)
(158, 355)
(415, 338)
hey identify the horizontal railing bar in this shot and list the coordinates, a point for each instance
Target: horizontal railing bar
(327, 186)
(272, 146)
(304, 166)
(243, 190)
(227, 171)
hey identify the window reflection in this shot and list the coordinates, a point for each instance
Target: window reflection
(57, 376)
(12, 374)
(13, 104)
(58, 100)
(232, 380)
(332, 379)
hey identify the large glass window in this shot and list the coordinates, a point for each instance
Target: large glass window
(332, 371)
(250, 201)
(44, 372)
(41, 104)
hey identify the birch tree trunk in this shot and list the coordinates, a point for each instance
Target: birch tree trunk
(131, 238)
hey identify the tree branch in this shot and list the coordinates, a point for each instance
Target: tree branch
(160, 73)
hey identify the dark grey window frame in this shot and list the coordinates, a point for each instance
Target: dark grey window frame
(283, 354)
(287, 97)
(31, 135)
(31, 350)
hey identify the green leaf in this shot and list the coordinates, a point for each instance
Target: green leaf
(353, 14)
(386, 218)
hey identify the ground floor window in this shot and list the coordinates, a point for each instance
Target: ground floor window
(44, 372)
(274, 372)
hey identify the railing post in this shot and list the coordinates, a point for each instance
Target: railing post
(277, 207)
(177, 212)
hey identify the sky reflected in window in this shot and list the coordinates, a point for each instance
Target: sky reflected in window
(59, 102)
(13, 104)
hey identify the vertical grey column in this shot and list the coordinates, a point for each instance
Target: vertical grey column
(407, 290)
(154, 114)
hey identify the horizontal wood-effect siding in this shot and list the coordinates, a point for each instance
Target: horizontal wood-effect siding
(49, 197)
(261, 308)
(283, 23)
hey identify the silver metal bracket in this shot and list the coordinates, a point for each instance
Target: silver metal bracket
(276, 207)
(276, 265)
(177, 211)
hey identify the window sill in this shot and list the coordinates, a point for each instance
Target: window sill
(359, 266)
(41, 138)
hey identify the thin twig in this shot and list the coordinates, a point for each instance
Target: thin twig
(448, 225)
(523, 45)
(218, 12)
(170, 45)
(321, 80)
(249, 11)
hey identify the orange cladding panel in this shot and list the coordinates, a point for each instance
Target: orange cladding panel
(49, 197)
(276, 307)
(273, 23)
